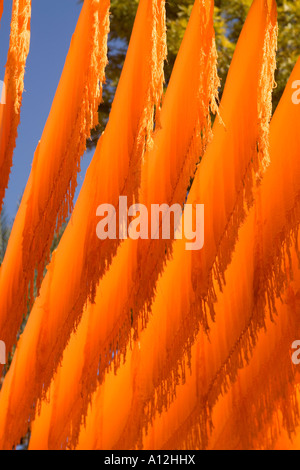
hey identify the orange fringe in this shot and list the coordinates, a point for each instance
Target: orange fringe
(285, 441)
(99, 254)
(50, 202)
(196, 296)
(118, 149)
(14, 87)
(55, 166)
(131, 434)
(166, 180)
(193, 420)
(244, 303)
(261, 403)
(1, 9)
(166, 174)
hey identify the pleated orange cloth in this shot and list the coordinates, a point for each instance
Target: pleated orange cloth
(261, 403)
(241, 310)
(234, 171)
(286, 441)
(107, 301)
(13, 86)
(241, 136)
(170, 168)
(56, 162)
(245, 417)
(180, 150)
(114, 166)
(220, 173)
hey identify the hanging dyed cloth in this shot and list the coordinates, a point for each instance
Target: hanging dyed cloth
(261, 403)
(1, 8)
(246, 118)
(119, 152)
(51, 185)
(219, 183)
(165, 177)
(105, 331)
(240, 313)
(286, 441)
(11, 100)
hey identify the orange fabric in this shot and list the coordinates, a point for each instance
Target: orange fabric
(246, 117)
(114, 166)
(56, 162)
(244, 418)
(263, 402)
(224, 163)
(241, 310)
(169, 169)
(172, 161)
(14, 86)
(240, 313)
(1, 9)
(230, 180)
(103, 327)
(286, 441)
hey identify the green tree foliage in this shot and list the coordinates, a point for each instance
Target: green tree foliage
(229, 19)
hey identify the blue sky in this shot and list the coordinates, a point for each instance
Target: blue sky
(53, 23)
